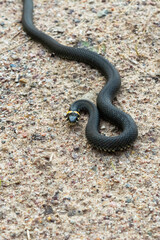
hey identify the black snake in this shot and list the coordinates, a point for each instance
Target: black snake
(104, 108)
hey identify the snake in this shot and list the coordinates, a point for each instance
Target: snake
(104, 107)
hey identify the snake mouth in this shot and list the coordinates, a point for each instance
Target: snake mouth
(72, 117)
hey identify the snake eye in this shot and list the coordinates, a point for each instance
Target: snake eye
(72, 116)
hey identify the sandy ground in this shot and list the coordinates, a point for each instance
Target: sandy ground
(53, 184)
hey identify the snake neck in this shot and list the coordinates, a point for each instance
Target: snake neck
(90, 108)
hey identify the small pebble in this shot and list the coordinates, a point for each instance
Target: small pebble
(2, 24)
(23, 80)
(128, 200)
(76, 148)
(103, 13)
(13, 65)
(74, 155)
(14, 57)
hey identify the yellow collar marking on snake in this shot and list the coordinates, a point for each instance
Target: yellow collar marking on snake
(69, 112)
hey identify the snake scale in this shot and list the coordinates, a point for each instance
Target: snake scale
(104, 108)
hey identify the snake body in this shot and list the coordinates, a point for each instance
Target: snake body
(104, 107)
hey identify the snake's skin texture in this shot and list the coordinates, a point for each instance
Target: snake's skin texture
(104, 107)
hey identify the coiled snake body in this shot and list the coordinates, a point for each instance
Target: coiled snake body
(104, 100)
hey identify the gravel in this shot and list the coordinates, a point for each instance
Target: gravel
(53, 184)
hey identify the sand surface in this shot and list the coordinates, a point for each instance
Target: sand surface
(53, 184)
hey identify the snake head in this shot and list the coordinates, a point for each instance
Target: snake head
(72, 116)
